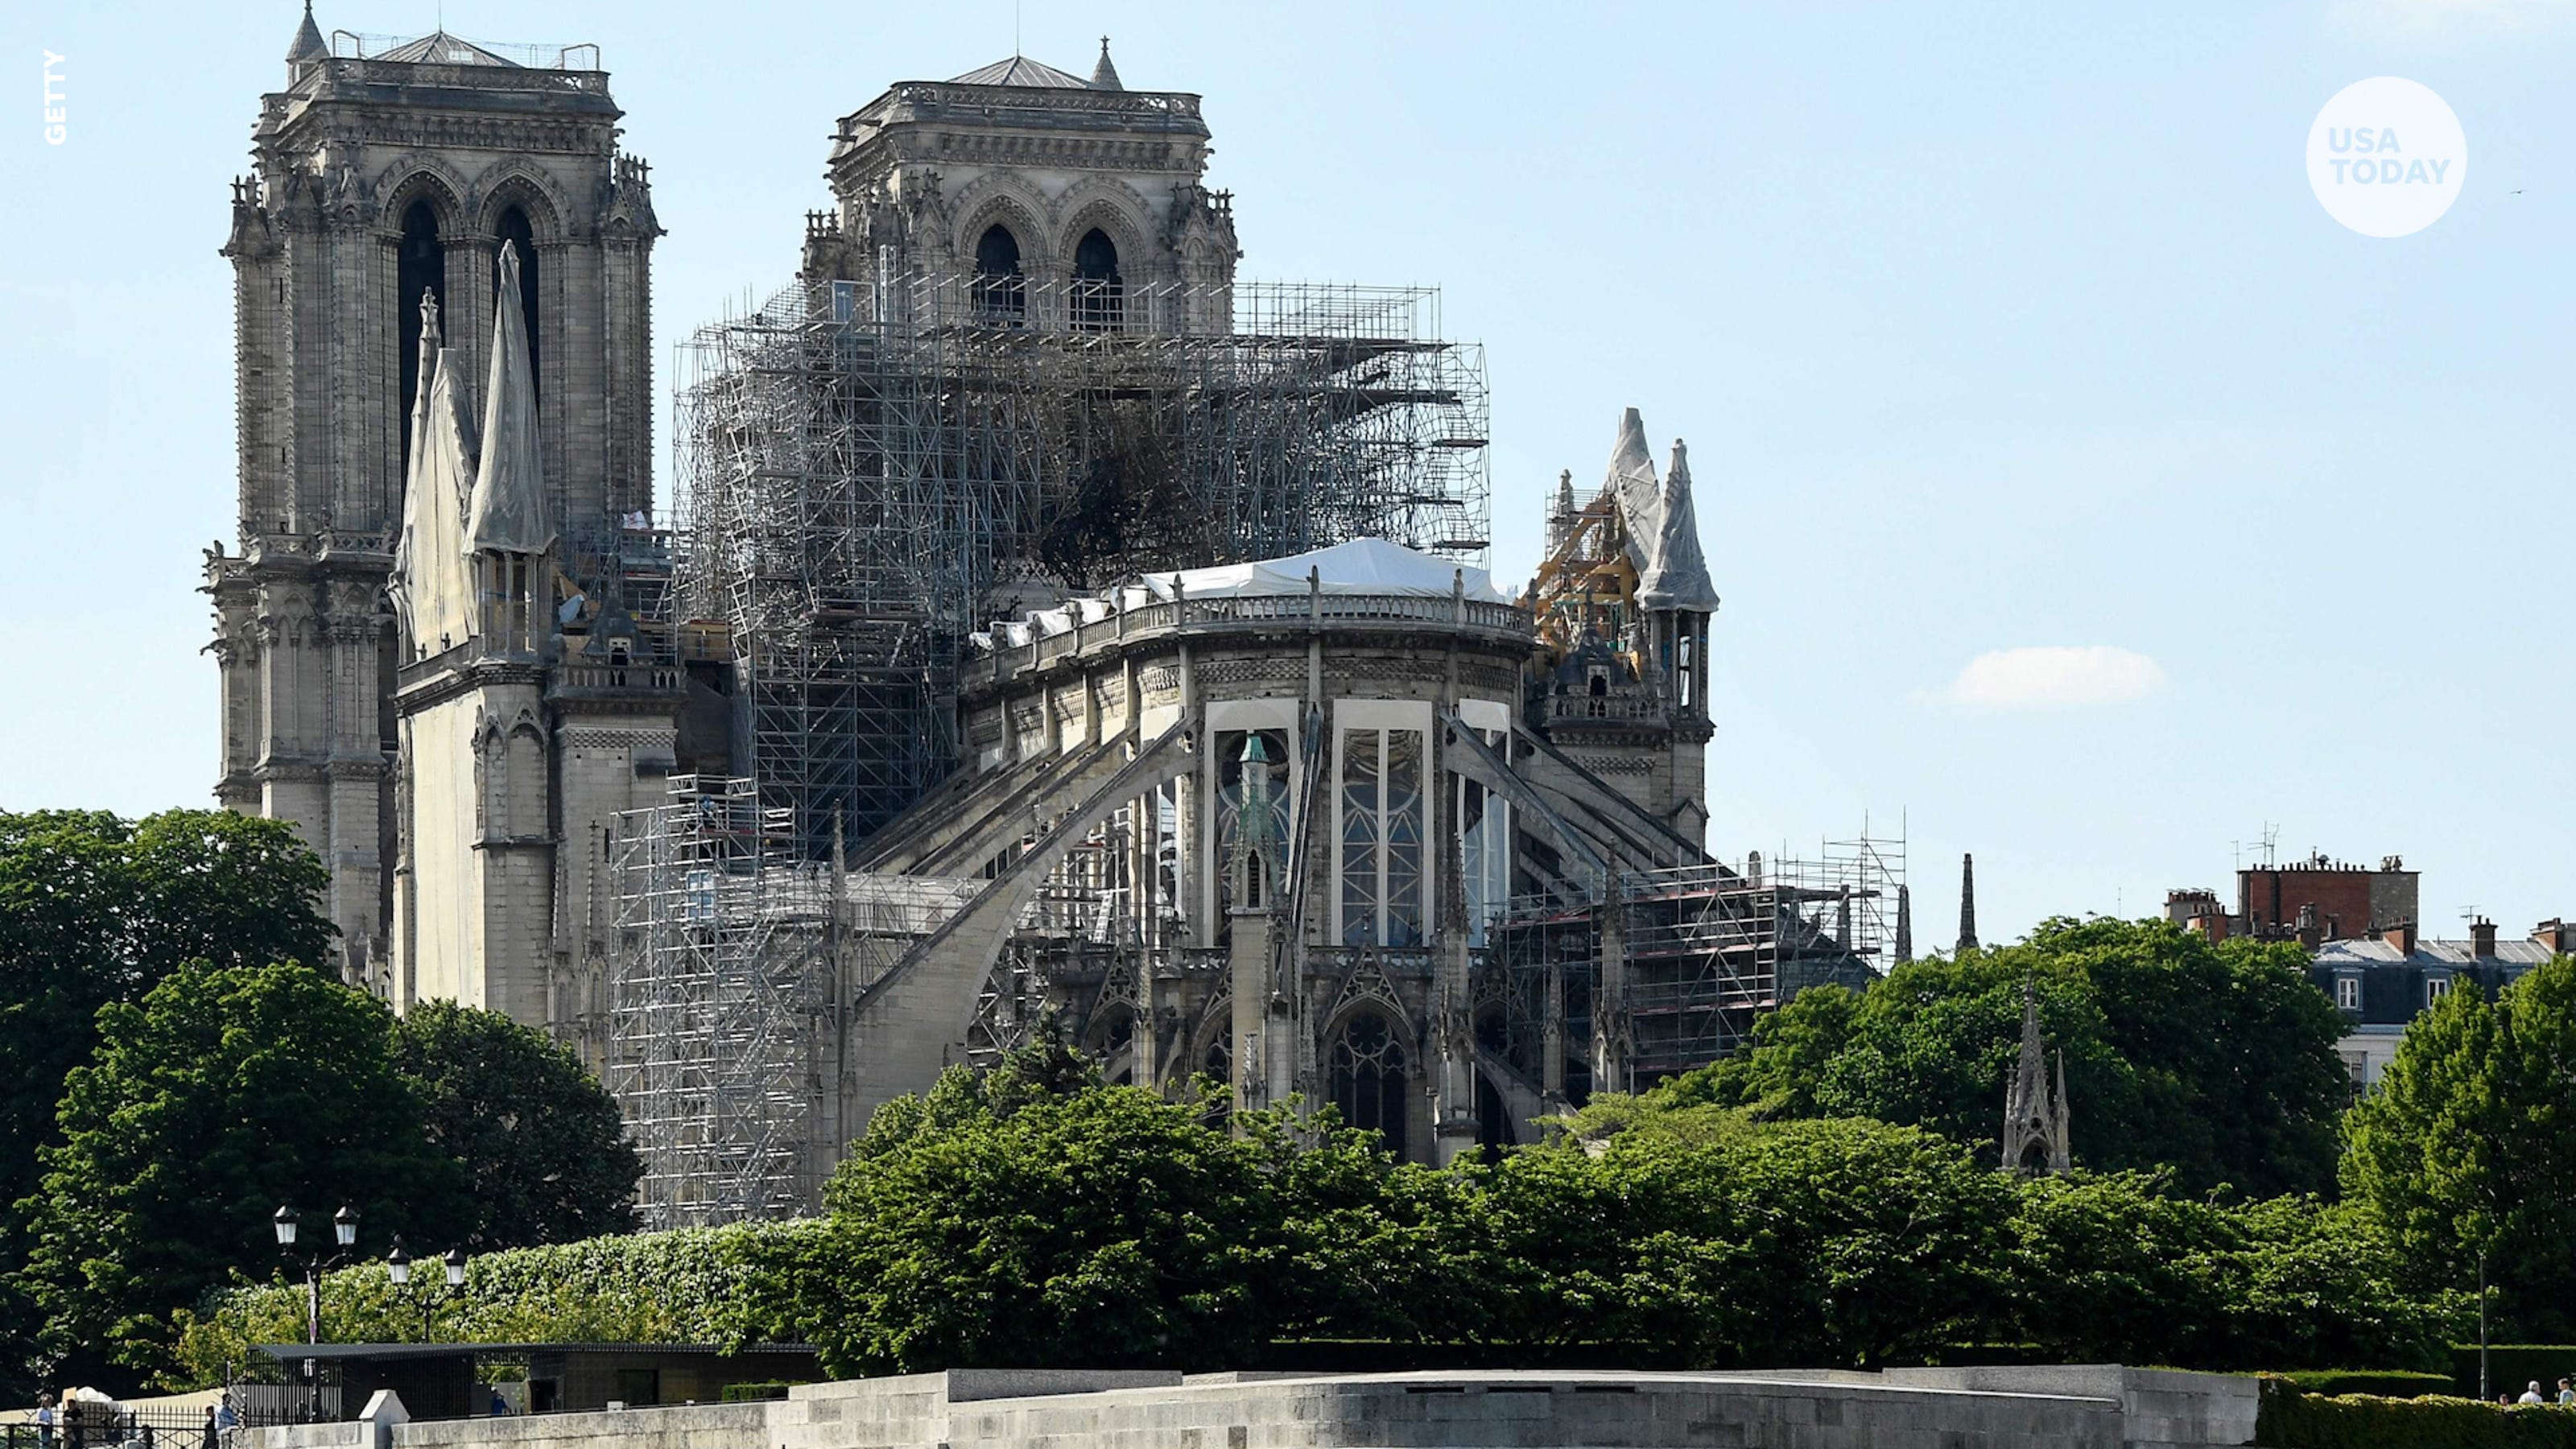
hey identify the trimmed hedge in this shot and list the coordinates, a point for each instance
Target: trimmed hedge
(2385, 1383)
(2292, 1420)
(2512, 1365)
(756, 1393)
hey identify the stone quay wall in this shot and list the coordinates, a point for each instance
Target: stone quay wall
(2062, 1407)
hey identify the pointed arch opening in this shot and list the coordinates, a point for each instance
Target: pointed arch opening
(1001, 286)
(1370, 1077)
(513, 227)
(1099, 293)
(420, 266)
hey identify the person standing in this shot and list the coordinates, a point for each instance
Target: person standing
(2531, 1395)
(45, 1421)
(75, 1435)
(2566, 1395)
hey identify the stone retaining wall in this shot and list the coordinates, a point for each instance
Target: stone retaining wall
(2062, 1407)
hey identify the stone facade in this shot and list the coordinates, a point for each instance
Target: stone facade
(379, 179)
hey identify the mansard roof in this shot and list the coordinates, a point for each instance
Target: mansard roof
(1019, 70)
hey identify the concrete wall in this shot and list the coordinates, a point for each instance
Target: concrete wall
(2065, 1407)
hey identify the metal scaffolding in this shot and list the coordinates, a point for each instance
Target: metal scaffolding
(721, 996)
(862, 465)
(1705, 949)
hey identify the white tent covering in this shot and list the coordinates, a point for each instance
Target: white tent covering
(1370, 566)
(1362, 566)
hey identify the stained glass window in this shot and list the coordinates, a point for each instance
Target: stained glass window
(1359, 837)
(1368, 1078)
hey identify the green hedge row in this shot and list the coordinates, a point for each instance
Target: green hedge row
(2290, 1419)
(2386, 1383)
(2512, 1365)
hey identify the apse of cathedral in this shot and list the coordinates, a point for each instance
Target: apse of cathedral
(1050, 628)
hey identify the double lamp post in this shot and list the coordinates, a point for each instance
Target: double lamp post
(315, 1261)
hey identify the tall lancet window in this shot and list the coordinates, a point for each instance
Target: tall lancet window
(420, 265)
(513, 227)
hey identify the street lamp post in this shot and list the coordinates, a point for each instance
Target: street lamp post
(398, 1267)
(314, 1263)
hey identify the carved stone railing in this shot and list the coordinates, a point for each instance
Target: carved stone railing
(1264, 613)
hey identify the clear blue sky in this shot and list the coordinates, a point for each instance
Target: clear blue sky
(2006, 330)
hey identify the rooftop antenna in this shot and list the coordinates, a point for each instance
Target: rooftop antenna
(1015, 29)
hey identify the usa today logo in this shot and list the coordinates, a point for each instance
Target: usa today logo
(2386, 157)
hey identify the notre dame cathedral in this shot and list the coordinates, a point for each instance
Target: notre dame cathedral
(1054, 624)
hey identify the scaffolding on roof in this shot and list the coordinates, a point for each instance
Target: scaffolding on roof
(863, 463)
(1706, 949)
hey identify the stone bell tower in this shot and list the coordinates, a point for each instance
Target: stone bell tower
(378, 179)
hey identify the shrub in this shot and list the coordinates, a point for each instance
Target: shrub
(2385, 1383)
(2290, 1419)
(2511, 1365)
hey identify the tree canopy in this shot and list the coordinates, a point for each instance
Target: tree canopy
(93, 910)
(543, 1149)
(225, 1092)
(2469, 1145)
(2213, 1062)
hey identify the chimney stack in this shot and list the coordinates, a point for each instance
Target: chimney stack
(2482, 938)
(2401, 936)
(2557, 935)
(2310, 934)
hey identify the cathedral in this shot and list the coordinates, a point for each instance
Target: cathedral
(1049, 625)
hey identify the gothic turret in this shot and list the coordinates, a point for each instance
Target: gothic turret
(430, 584)
(1104, 76)
(2035, 1124)
(1904, 925)
(308, 46)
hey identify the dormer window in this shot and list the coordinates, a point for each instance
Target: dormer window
(2435, 988)
(2348, 993)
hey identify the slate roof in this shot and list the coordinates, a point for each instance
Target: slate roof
(2441, 955)
(440, 48)
(1019, 70)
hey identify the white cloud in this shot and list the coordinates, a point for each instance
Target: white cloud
(2054, 674)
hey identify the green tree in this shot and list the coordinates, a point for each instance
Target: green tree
(94, 909)
(2114, 1268)
(2469, 1145)
(224, 1092)
(2215, 1061)
(543, 1149)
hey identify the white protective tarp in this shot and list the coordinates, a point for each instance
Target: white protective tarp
(432, 584)
(1631, 481)
(1362, 566)
(509, 512)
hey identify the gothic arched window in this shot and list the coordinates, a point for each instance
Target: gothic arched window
(1098, 299)
(998, 284)
(420, 265)
(513, 227)
(1368, 1078)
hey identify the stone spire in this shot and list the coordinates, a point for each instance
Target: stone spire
(1967, 904)
(1904, 924)
(1104, 76)
(308, 44)
(508, 514)
(2035, 1120)
(1676, 573)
